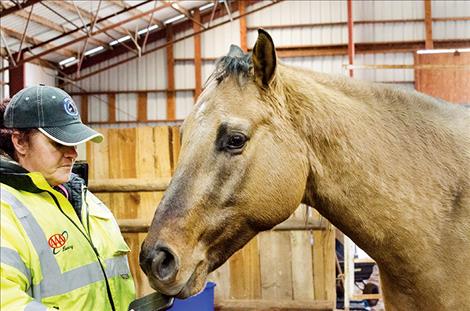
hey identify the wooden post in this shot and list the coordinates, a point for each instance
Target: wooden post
(16, 75)
(324, 264)
(350, 37)
(142, 106)
(112, 107)
(243, 30)
(428, 44)
(197, 55)
(84, 108)
(348, 271)
(170, 60)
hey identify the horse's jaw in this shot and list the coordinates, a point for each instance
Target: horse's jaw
(189, 282)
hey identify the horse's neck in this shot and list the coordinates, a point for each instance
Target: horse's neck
(364, 178)
(392, 171)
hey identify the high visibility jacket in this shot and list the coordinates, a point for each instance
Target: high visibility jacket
(51, 259)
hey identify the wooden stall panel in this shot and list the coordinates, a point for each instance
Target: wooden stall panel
(245, 275)
(324, 261)
(221, 277)
(97, 155)
(302, 267)
(175, 147)
(122, 153)
(449, 79)
(275, 262)
(128, 154)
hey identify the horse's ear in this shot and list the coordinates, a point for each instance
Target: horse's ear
(264, 58)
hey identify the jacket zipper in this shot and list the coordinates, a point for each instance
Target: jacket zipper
(108, 288)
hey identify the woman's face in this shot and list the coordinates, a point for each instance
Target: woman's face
(53, 160)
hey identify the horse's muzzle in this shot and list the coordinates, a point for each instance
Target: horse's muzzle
(159, 263)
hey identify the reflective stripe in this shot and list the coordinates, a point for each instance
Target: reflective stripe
(12, 258)
(35, 291)
(54, 282)
(35, 306)
(117, 266)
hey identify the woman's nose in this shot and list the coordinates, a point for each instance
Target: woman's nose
(71, 152)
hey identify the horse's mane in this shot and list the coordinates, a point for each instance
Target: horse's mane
(236, 63)
(315, 85)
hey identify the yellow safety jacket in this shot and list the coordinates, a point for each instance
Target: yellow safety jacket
(50, 259)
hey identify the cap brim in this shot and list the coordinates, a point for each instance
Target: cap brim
(72, 134)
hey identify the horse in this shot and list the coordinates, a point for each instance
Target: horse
(389, 167)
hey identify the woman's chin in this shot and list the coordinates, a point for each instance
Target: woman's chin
(59, 179)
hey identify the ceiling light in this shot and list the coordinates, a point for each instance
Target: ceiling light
(442, 51)
(67, 60)
(93, 51)
(174, 19)
(142, 31)
(206, 6)
(71, 63)
(125, 38)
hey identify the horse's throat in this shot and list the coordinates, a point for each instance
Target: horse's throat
(367, 226)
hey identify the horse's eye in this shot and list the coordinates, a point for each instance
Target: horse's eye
(236, 141)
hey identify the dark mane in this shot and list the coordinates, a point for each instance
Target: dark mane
(234, 63)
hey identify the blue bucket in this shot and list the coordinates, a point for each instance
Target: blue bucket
(204, 301)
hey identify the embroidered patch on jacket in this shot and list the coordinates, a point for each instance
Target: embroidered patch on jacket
(58, 242)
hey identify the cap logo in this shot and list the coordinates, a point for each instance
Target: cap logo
(70, 107)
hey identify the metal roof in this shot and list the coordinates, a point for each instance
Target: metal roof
(60, 34)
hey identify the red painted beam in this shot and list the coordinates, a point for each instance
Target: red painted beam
(155, 36)
(350, 37)
(15, 8)
(17, 78)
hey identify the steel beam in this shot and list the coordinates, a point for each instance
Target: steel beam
(18, 7)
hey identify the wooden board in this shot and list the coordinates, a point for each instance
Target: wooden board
(122, 156)
(97, 156)
(275, 262)
(142, 106)
(163, 151)
(451, 84)
(301, 250)
(324, 275)
(273, 305)
(245, 275)
(221, 277)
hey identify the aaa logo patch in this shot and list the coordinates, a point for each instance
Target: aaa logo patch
(57, 242)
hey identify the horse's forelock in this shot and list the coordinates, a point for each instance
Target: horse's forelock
(239, 66)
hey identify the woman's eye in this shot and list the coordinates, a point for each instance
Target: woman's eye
(236, 141)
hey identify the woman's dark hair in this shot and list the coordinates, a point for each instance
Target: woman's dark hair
(6, 145)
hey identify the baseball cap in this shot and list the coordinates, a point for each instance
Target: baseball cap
(52, 111)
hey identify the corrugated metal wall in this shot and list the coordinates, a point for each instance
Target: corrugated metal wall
(149, 72)
(4, 88)
(34, 75)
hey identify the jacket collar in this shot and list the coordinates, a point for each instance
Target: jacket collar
(14, 175)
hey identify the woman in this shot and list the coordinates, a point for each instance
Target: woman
(61, 248)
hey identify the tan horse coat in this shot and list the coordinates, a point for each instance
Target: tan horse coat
(389, 167)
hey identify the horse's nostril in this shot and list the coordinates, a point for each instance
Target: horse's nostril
(145, 261)
(164, 265)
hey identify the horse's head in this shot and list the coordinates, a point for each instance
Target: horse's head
(241, 170)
